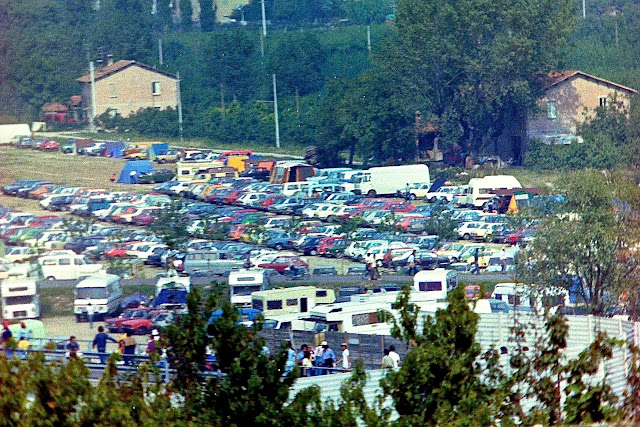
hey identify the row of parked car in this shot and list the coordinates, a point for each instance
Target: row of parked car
(234, 226)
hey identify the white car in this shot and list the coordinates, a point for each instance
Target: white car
(470, 230)
(445, 193)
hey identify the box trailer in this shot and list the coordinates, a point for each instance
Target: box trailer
(9, 134)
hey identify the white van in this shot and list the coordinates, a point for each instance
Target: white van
(100, 293)
(387, 180)
(481, 190)
(67, 266)
(292, 188)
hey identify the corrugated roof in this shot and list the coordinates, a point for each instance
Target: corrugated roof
(103, 72)
(556, 77)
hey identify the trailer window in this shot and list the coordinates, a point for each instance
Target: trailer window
(23, 299)
(292, 301)
(257, 304)
(430, 286)
(321, 294)
(274, 304)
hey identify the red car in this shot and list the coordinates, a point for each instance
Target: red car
(142, 324)
(50, 145)
(115, 323)
(281, 263)
(326, 243)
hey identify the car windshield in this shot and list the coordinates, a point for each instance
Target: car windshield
(91, 293)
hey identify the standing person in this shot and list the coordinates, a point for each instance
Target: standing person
(345, 357)
(503, 260)
(23, 347)
(151, 349)
(387, 361)
(407, 192)
(133, 177)
(73, 347)
(476, 257)
(6, 333)
(307, 366)
(24, 331)
(90, 315)
(394, 356)
(100, 343)
(291, 359)
(411, 263)
(328, 357)
(129, 348)
(300, 356)
(376, 267)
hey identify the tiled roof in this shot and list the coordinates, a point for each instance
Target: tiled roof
(118, 66)
(556, 77)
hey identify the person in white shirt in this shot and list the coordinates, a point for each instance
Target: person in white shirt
(345, 357)
(394, 356)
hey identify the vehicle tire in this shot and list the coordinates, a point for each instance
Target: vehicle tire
(278, 247)
(412, 197)
(77, 318)
(51, 278)
(434, 199)
(466, 236)
(397, 268)
(313, 252)
(371, 193)
(339, 255)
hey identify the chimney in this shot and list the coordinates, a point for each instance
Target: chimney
(109, 59)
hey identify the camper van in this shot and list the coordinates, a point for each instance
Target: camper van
(67, 266)
(299, 299)
(172, 282)
(387, 180)
(101, 293)
(438, 283)
(20, 299)
(481, 190)
(243, 283)
(206, 263)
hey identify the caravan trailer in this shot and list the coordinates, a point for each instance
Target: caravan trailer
(299, 299)
(20, 299)
(438, 283)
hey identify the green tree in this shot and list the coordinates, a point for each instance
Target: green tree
(588, 247)
(474, 65)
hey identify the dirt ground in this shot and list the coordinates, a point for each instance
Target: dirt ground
(65, 326)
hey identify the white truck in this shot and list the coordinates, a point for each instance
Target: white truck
(481, 190)
(20, 298)
(10, 133)
(387, 180)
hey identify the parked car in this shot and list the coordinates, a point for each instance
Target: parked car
(167, 156)
(281, 263)
(156, 175)
(114, 324)
(50, 145)
(325, 271)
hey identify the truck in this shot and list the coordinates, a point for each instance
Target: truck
(20, 299)
(387, 180)
(9, 134)
(480, 190)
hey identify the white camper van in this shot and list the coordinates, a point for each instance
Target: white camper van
(20, 299)
(100, 294)
(481, 190)
(387, 180)
(242, 283)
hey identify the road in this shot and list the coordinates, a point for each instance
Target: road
(281, 280)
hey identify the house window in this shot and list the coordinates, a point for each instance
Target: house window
(155, 88)
(113, 90)
(603, 102)
(552, 111)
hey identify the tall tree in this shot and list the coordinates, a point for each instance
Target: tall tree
(473, 64)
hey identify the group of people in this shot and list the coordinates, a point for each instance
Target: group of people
(391, 359)
(8, 343)
(127, 345)
(319, 361)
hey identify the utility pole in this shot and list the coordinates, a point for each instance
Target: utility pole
(160, 58)
(275, 111)
(584, 9)
(264, 20)
(179, 109)
(93, 96)
(369, 38)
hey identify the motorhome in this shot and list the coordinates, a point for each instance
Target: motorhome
(387, 180)
(99, 294)
(186, 171)
(67, 266)
(173, 281)
(349, 317)
(481, 190)
(530, 297)
(243, 283)
(20, 299)
(299, 299)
